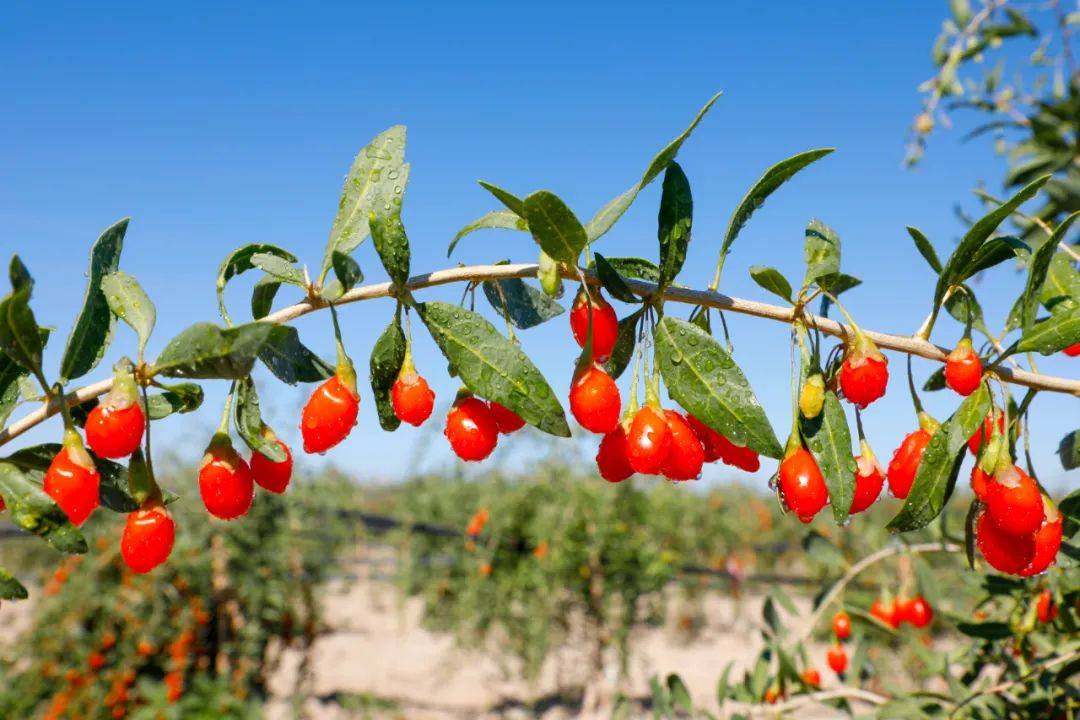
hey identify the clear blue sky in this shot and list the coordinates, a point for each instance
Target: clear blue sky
(216, 125)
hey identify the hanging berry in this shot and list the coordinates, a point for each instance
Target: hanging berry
(270, 475)
(1045, 608)
(963, 369)
(1013, 501)
(886, 611)
(225, 482)
(1047, 541)
(1072, 350)
(685, 454)
(412, 399)
(605, 323)
(611, 459)
(508, 421)
(982, 436)
(148, 537)
(869, 479)
(906, 459)
(811, 678)
(72, 481)
(330, 414)
(837, 659)
(648, 440)
(114, 428)
(1004, 552)
(918, 612)
(864, 374)
(594, 400)
(801, 484)
(471, 428)
(841, 625)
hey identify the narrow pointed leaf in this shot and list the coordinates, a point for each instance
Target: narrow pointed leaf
(290, 360)
(1055, 333)
(610, 213)
(633, 267)
(496, 219)
(279, 268)
(925, 248)
(240, 261)
(940, 464)
(262, 296)
(388, 232)
(625, 342)
(829, 440)
(207, 351)
(179, 398)
(512, 202)
(129, 302)
(1038, 268)
(821, 250)
(554, 226)
(1069, 450)
(376, 170)
(772, 280)
(10, 374)
(20, 337)
(613, 282)
(493, 367)
(19, 274)
(347, 270)
(94, 325)
(249, 423)
(702, 377)
(674, 223)
(387, 356)
(34, 511)
(768, 183)
(524, 306)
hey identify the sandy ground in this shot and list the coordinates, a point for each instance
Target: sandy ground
(378, 648)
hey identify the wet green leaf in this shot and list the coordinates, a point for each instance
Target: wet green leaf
(375, 172)
(279, 268)
(20, 337)
(129, 302)
(1038, 268)
(524, 306)
(248, 420)
(821, 250)
(387, 356)
(387, 230)
(702, 377)
(495, 220)
(772, 280)
(19, 274)
(1069, 450)
(554, 226)
(207, 351)
(34, 511)
(290, 360)
(493, 367)
(829, 440)
(633, 267)
(675, 222)
(612, 281)
(940, 464)
(262, 296)
(180, 398)
(240, 261)
(1055, 333)
(625, 342)
(10, 588)
(93, 329)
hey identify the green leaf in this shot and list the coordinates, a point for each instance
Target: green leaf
(493, 367)
(375, 172)
(1038, 268)
(701, 376)
(290, 360)
(633, 267)
(207, 351)
(249, 423)
(625, 342)
(279, 268)
(821, 250)
(679, 693)
(1069, 450)
(347, 270)
(93, 328)
(512, 202)
(674, 222)
(554, 226)
(936, 380)
(829, 441)
(940, 464)
(963, 304)
(926, 249)
(993, 252)
(772, 280)
(953, 271)
(985, 630)
(837, 284)
(1062, 284)
(613, 282)
(525, 306)
(496, 220)
(34, 461)
(1055, 333)
(10, 375)
(20, 337)
(388, 232)
(34, 511)
(610, 213)
(10, 588)
(180, 398)
(772, 179)
(262, 296)
(19, 274)
(129, 302)
(387, 356)
(239, 261)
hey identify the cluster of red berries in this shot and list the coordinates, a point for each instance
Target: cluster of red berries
(649, 440)
(836, 656)
(915, 611)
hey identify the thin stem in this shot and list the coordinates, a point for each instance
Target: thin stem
(223, 426)
(478, 273)
(911, 386)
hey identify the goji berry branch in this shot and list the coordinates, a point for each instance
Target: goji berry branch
(479, 273)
